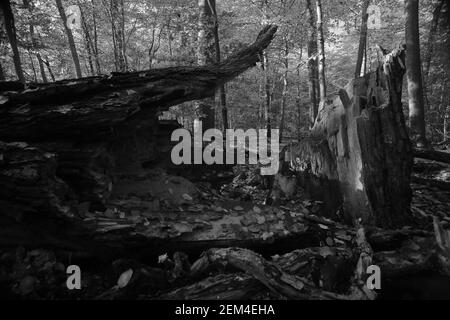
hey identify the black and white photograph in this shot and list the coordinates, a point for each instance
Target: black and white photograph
(232, 153)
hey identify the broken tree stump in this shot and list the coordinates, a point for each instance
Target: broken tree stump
(359, 147)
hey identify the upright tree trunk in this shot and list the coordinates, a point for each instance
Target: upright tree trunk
(73, 49)
(95, 40)
(414, 74)
(206, 55)
(312, 64)
(362, 39)
(47, 64)
(117, 24)
(2, 44)
(267, 94)
(321, 52)
(2, 74)
(222, 94)
(32, 66)
(429, 46)
(299, 104)
(87, 41)
(11, 33)
(35, 42)
(285, 88)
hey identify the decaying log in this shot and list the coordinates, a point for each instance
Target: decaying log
(268, 273)
(29, 184)
(440, 184)
(360, 147)
(434, 155)
(91, 107)
(99, 127)
(234, 286)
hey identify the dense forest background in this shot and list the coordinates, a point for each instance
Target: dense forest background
(121, 35)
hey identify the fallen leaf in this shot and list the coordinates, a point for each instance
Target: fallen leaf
(162, 258)
(125, 278)
(186, 197)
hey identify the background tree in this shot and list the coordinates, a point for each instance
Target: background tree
(34, 40)
(8, 21)
(414, 74)
(73, 49)
(206, 54)
(321, 52)
(362, 38)
(312, 63)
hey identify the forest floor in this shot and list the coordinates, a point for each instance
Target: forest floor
(210, 207)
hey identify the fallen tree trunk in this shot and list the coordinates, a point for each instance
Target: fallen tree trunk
(88, 108)
(268, 273)
(434, 155)
(98, 127)
(440, 184)
(359, 147)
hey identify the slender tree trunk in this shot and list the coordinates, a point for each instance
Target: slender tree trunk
(362, 39)
(299, 105)
(32, 66)
(285, 89)
(321, 53)
(312, 64)
(267, 94)
(221, 91)
(117, 24)
(414, 74)
(34, 41)
(87, 40)
(2, 74)
(8, 17)
(2, 47)
(73, 49)
(260, 105)
(95, 42)
(206, 55)
(47, 64)
(429, 46)
(122, 29)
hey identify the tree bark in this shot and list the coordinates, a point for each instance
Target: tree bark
(11, 33)
(221, 92)
(267, 94)
(117, 25)
(73, 49)
(87, 41)
(206, 54)
(414, 75)
(362, 39)
(321, 53)
(95, 40)
(312, 64)
(284, 92)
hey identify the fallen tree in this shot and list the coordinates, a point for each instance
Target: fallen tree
(434, 155)
(91, 129)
